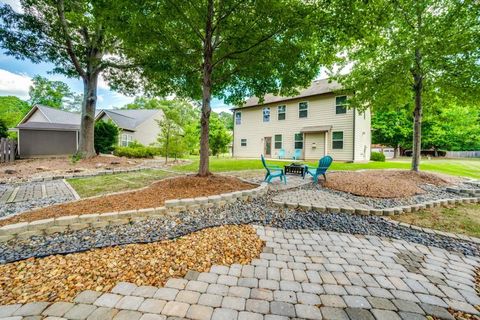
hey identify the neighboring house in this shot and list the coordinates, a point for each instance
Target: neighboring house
(389, 152)
(47, 131)
(316, 122)
(135, 125)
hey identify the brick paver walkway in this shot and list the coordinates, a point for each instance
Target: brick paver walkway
(33, 191)
(302, 275)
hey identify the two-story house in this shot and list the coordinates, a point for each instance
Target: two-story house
(316, 122)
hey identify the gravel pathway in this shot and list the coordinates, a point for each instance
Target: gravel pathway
(259, 212)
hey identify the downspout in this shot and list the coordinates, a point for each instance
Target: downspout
(354, 131)
(233, 135)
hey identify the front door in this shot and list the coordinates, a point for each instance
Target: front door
(268, 147)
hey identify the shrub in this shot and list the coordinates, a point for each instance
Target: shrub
(136, 150)
(106, 136)
(377, 156)
(3, 129)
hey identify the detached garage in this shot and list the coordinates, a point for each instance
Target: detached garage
(45, 131)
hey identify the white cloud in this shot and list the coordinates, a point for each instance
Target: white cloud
(13, 84)
(223, 108)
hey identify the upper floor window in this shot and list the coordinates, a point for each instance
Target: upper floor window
(341, 104)
(243, 142)
(337, 140)
(298, 140)
(303, 109)
(278, 141)
(266, 114)
(238, 117)
(281, 112)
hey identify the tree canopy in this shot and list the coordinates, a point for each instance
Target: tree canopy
(54, 94)
(12, 110)
(73, 36)
(414, 54)
(226, 49)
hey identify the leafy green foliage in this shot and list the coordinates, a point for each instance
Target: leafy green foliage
(54, 94)
(392, 128)
(219, 137)
(12, 110)
(413, 54)
(106, 136)
(377, 156)
(136, 150)
(3, 129)
(227, 120)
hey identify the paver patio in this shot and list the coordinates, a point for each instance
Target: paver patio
(33, 190)
(301, 274)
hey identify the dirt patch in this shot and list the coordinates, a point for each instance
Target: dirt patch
(62, 277)
(150, 197)
(382, 183)
(30, 168)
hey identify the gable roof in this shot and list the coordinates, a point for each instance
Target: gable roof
(53, 116)
(128, 119)
(317, 87)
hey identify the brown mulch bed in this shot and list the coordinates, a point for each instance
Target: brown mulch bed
(62, 277)
(150, 197)
(382, 183)
(29, 168)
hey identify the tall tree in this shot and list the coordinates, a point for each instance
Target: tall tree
(219, 138)
(392, 128)
(73, 36)
(49, 93)
(12, 110)
(412, 53)
(227, 49)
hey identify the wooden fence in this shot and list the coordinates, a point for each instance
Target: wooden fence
(8, 150)
(463, 154)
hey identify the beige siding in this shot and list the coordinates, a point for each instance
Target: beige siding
(314, 145)
(37, 116)
(321, 111)
(362, 136)
(147, 132)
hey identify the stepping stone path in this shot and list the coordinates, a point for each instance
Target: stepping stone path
(33, 191)
(301, 274)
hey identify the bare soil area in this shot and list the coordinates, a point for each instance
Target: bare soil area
(150, 197)
(62, 277)
(382, 183)
(30, 168)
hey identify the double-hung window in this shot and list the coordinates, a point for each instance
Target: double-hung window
(243, 142)
(126, 139)
(281, 112)
(303, 110)
(341, 104)
(238, 118)
(337, 140)
(266, 114)
(298, 140)
(278, 141)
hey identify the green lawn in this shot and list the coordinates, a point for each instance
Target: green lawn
(463, 219)
(456, 167)
(88, 187)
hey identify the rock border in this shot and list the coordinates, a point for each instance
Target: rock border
(25, 230)
(378, 212)
(458, 236)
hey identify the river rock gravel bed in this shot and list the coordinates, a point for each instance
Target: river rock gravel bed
(259, 211)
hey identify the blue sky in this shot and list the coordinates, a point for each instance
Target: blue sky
(15, 80)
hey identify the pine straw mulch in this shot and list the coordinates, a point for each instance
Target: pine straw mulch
(150, 197)
(62, 277)
(382, 183)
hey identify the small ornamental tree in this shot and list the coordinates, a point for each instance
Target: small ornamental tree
(106, 136)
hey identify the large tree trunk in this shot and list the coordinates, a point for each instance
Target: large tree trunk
(87, 126)
(206, 94)
(417, 114)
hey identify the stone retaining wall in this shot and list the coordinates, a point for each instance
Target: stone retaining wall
(378, 212)
(25, 230)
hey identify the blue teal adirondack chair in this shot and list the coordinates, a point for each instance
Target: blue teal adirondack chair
(281, 154)
(298, 154)
(273, 172)
(322, 168)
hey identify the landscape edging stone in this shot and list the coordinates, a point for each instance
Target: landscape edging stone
(25, 230)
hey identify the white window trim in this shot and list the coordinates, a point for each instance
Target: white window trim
(303, 110)
(284, 111)
(338, 105)
(269, 114)
(343, 140)
(275, 141)
(295, 141)
(241, 143)
(240, 118)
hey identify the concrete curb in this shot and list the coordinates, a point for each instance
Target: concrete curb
(25, 230)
